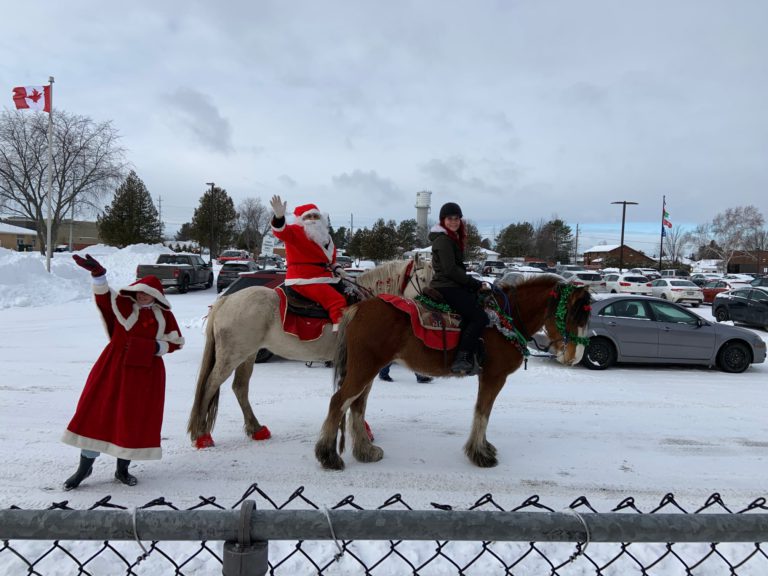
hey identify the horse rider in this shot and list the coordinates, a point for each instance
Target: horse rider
(310, 256)
(459, 290)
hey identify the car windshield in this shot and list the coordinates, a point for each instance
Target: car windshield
(592, 276)
(683, 283)
(636, 279)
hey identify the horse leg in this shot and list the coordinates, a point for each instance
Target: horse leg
(240, 387)
(481, 452)
(325, 448)
(362, 448)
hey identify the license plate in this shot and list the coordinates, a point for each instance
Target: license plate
(690, 293)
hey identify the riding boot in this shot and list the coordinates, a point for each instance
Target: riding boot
(122, 473)
(83, 471)
(464, 363)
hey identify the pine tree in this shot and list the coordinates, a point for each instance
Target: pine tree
(132, 217)
(214, 223)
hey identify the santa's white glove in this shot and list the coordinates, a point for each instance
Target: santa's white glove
(278, 206)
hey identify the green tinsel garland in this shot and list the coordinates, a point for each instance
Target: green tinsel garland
(432, 304)
(561, 312)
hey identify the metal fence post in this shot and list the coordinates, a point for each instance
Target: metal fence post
(244, 558)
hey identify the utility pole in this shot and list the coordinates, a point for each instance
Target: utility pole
(623, 218)
(576, 246)
(210, 215)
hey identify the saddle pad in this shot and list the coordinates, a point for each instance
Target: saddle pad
(427, 325)
(303, 327)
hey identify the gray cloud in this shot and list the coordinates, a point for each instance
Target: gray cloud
(367, 187)
(202, 119)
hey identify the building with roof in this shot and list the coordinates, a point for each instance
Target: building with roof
(610, 255)
(17, 238)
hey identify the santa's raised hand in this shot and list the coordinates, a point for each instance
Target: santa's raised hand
(278, 206)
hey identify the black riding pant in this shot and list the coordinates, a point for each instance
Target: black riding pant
(473, 317)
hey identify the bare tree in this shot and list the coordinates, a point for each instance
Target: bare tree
(253, 222)
(729, 231)
(675, 243)
(88, 163)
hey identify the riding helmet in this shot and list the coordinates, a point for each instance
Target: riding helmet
(450, 209)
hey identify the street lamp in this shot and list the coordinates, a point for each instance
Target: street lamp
(210, 215)
(623, 218)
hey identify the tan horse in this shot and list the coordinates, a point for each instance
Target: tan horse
(248, 320)
(364, 348)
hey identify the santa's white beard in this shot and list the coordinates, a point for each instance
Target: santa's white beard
(317, 231)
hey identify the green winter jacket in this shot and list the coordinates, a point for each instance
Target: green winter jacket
(448, 263)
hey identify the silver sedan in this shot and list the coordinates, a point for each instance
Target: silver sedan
(641, 329)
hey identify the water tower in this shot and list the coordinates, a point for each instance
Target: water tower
(423, 205)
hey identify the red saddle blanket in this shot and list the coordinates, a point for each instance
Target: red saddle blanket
(304, 328)
(427, 324)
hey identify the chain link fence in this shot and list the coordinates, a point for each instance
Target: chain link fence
(298, 536)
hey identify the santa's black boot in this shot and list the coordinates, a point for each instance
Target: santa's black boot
(83, 471)
(122, 473)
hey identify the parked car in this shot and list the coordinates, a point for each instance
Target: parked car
(647, 330)
(748, 305)
(715, 287)
(231, 270)
(592, 280)
(677, 290)
(746, 278)
(761, 281)
(493, 267)
(701, 278)
(179, 270)
(650, 273)
(627, 284)
(560, 268)
(674, 273)
(230, 255)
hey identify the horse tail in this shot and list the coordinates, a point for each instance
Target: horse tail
(203, 417)
(340, 365)
(340, 356)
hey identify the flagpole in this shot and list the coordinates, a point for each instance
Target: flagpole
(48, 248)
(661, 245)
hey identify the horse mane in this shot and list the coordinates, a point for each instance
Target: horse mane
(525, 290)
(388, 277)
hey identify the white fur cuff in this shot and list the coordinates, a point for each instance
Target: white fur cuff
(162, 348)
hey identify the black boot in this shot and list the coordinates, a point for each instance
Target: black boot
(122, 473)
(83, 471)
(463, 363)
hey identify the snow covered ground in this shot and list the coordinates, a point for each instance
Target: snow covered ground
(561, 432)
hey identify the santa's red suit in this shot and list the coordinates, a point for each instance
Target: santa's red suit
(310, 263)
(120, 411)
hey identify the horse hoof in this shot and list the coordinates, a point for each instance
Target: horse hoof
(372, 454)
(262, 433)
(368, 431)
(204, 441)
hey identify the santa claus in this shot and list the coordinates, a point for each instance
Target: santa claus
(310, 256)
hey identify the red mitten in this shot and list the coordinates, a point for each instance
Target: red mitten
(90, 264)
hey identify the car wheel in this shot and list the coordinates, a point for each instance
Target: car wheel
(613, 291)
(721, 314)
(184, 285)
(663, 296)
(734, 357)
(263, 355)
(210, 282)
(599, 355)
(695, 304)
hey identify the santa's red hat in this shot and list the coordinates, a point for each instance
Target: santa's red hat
(304, 209)
(149, 285)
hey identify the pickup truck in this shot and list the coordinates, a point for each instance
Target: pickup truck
(179, 271)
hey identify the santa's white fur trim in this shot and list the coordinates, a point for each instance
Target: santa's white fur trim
(130, 291)
(162, 348)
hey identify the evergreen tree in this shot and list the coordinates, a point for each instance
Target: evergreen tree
(472, 248)
(382, 242)
(407, 234)
(132, 217)
(516, 240)
(185, 232)
(214, 223)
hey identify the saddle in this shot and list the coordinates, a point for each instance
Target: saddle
(303, 306)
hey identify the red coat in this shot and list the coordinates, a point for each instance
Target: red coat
(308, 262)
(120, 411)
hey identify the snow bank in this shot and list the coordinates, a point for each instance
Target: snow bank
(25, 282)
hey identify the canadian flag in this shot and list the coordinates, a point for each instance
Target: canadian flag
(33, 97)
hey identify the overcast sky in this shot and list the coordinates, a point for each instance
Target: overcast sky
(517, 110)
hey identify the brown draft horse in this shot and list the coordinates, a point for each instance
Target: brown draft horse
(373, 333)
